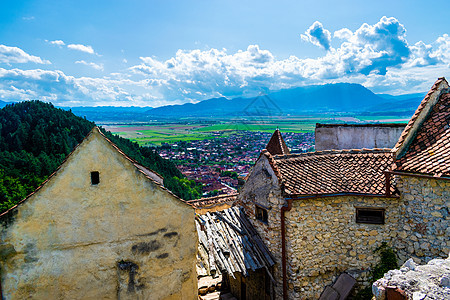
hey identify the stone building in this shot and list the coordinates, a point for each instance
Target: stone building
(324, 213)
(101, 227)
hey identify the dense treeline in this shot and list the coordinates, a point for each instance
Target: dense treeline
(35, 138)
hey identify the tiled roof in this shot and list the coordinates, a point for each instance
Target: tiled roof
(333, 172)
(415, 120)
(276, 145)
(212, 201)
(429, 151)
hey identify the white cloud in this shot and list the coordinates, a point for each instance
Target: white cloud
(11, 55)
(367, 55)
(343, 34)
(90, 64)
(377, 56)
(318, 36)
(82, 48)
(57, 43)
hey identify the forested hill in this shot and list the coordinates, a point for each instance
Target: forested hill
(35, 138)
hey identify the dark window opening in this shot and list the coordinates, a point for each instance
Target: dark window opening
(370, 215)
(95, 178)
(261, 214)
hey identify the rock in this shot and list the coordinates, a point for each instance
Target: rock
(418, 296)
(445, 281)
(430, 281)
(410, 264)
(378, 289)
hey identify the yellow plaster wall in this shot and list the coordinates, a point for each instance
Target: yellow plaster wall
(125, 238)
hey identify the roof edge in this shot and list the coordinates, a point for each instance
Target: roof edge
(95, 130)
(419, 117)
(312, 196)
(137, 165)
(327, 152)
(49, 177)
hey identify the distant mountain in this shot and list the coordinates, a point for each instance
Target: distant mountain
(111, 113)
(402, 97)
(402, 105)
(3, 103)
(340, 97)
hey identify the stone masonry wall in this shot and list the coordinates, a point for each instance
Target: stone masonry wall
(424, 231)
(262, 188)
(324, 240)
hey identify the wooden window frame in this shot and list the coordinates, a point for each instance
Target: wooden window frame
(363, 218)
(261, 214)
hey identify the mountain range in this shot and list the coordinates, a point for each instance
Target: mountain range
(327, 98)
(340, 97)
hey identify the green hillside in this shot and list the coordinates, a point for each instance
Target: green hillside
(35, 137)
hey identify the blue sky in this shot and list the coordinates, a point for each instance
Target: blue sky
(153, 53)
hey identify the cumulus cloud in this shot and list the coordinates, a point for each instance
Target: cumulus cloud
(82, 48)
(343, 34)
(90, 64)
(318, 36)
(366, 55)
(11, 55)
(377, 56)
(65, 90)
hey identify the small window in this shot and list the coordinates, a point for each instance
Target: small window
(261, 214)
(370, 215)
(95, 178)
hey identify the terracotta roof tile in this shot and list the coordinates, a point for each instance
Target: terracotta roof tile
(439, 84)
(334, 172)
(276, 145)
(428, 153)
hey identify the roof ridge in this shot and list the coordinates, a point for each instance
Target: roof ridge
(334, 151)
(126, 156)
(136, 164)
(427, 151)
(48, 178)
(71, 153)
(419, 116)
(272, 163)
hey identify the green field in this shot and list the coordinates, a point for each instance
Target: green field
(155, 134)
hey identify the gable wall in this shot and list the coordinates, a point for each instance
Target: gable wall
(262, 188)
(124, 238)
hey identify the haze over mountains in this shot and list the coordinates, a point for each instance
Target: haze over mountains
(328, 98)
(341, 97)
